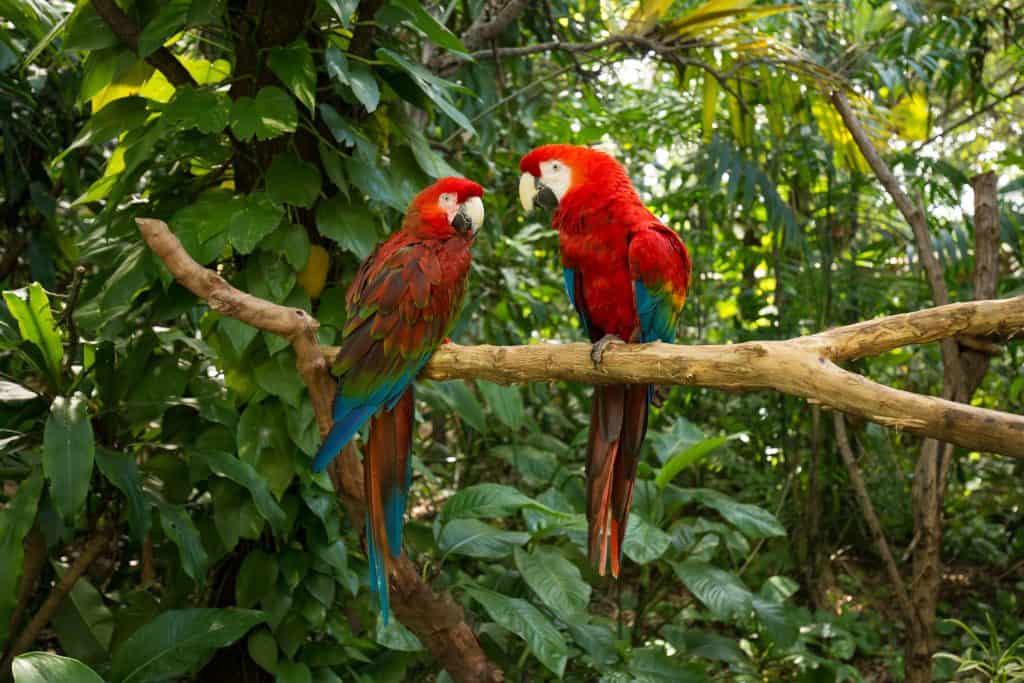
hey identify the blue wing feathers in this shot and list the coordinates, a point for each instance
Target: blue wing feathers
(657, 322)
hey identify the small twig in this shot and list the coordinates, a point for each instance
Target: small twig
(68, 318)
(867, 509)
(32, 568)
(1019, 90)
(92, 549)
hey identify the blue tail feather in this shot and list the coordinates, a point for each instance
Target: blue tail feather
(345, 427)
(378, 572)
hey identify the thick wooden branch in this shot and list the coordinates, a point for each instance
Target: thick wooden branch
(804, 366)
(434, 617)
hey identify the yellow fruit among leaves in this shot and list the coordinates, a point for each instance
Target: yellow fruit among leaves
(313, 277)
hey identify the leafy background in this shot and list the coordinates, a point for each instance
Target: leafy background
(128, 408)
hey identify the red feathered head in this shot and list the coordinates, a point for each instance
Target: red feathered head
(449, 206)
(554, 175)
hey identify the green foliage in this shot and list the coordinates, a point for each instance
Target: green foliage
(125, 401)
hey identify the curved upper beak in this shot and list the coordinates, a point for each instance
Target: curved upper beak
(533, 191)
(470, 215)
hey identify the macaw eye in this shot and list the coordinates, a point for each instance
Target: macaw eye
(555, 166)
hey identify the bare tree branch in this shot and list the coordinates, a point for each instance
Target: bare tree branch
(486, 29)
(434, 617)
(92, 549)
(867, 509)
(804, 366)
(126, 30)
(494, 18)
(913, 213)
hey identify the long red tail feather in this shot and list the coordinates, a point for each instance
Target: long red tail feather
(618, 423)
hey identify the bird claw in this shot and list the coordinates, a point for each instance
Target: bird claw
(598, 348)
(659, 396)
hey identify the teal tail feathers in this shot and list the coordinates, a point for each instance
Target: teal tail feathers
(387, 476)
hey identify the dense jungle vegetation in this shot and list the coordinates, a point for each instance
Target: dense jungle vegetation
(158, 517)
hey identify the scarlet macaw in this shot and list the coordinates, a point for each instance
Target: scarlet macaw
(626, 274)
(402, 305)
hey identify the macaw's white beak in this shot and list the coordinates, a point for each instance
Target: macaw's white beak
(470, 215)
(527, 191)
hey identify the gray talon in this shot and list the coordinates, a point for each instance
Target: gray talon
(598, 348)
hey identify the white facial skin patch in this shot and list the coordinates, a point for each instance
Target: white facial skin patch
(554, 174)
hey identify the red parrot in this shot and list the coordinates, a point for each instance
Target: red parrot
(402, 305)
(626, 274)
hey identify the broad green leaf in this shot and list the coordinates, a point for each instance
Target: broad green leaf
(753, 521)
(293, 672)
(121, 470)
(527, 622)
(238, 333)
(207, 110)
(597, 640)
(425, 22)
(349, 135)
(555, 580)
(279, 377)
(778, 588)
(293, 64)
(169, 19)
(654, 665)
(43, 667)
(86, 30)
(344, 9)
(644, 542)
(430, 84)
(68, 453)
(352, 226)
(689, 456)
(356, 76)
(243, 474)
(484, 500)
(256, 576)
(177, 641)
(474, 538)
(432, 163)
(780, 627)
(178, 527)
(16, 520)
(682, 436)
(270, 114)
(257, 217)
(292, 241)
(31, 308)
(83, 622)
(505, 402)
(290, 180)
(704, 644)
(269, 276)
(394, 636)
(262, 648)
(125, 114)
(466, 405)
(204, 219)
(720, 591)
(101, 67)
(373, 180)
